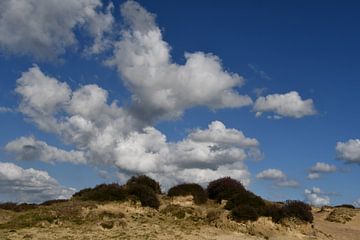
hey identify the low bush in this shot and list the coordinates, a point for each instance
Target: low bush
(144, 194)
(147, 181)
(345, 206)
(102, 192)
(17, 207)
(224, 188)
(298, 209)
(198, 193)
(245, 198)
(274, 211)
(55, 201)
(244, 213)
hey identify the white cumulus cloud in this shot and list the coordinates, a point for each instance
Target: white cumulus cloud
(30, 185)
(45, 28)
(107, 134)
(285, 105)
(28, 148)
(161, 88)
(349, 151)
(319, 168)
(316, 197)
(278, 177)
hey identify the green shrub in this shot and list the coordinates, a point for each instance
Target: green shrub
(145, 180)
(144, 194)
(245, 198)
(345, 206)
(299, 210)
(101, 193)
(224, 188)
(244, 213)
(54, 201)
(274, 211)
(17, 207)
(198, 193)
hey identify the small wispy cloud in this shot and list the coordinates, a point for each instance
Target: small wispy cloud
(320, 168)
(257, 71)
(278, 177)
(6, 110)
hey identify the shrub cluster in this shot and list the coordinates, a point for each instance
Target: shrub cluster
(198, 193)
(17, 207)
(145, 194)
(147, 181)
(345, 206)
(299, 210)
(244, 213)
(102, 193)
(224, 188)
(245, 198)
(245, 205)
(142, 188)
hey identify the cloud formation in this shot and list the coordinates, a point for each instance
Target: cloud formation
(45, 28)
(28, 148)
(319, 168)
(348, 151)
(111, 135)
(316, 197)
(162, 89)
(30, 185)
(285, 105)
(278, 177)
(5, 110)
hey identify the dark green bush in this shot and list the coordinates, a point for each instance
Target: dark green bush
(145, 180)
(345, 206)
(198, 193)
(224, 188)
(245, 198)
(54, 201)
(244, 213)
(102, 192)
(274, 211)
(17, 207)
(144, 194)
(298, 209)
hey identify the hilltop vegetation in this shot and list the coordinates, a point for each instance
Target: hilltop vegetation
(138, 210)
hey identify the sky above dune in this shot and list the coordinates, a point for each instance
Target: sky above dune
(96, 91)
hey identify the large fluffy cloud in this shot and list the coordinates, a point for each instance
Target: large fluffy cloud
(285, 105)
(45, 28)
(278, 177)
(104, 133)
(160, 87)
(319, 168)
(316, 197)
(28, 148)
(29, 185)
(349, 151)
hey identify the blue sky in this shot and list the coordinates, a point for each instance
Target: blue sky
(270, 96)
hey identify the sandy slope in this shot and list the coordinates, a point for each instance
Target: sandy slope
(176, 219)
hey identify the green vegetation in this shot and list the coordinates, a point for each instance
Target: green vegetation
(244, 213)
(17, 207)
(144, 194)
(224, 188)
(198, 193)
(242, 204)
(102, 193)
(147, 181)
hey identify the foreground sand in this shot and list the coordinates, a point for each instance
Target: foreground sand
(177, 218)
